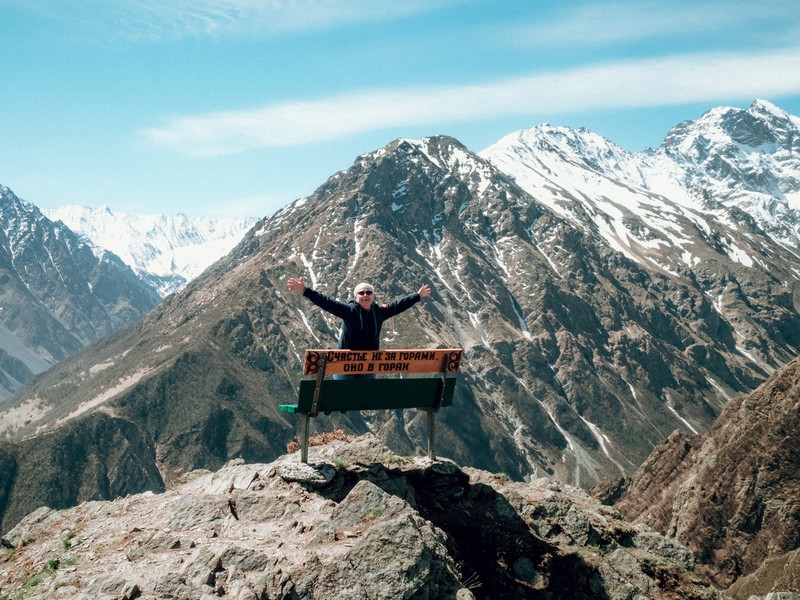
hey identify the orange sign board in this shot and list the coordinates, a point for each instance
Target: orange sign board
(382, 362)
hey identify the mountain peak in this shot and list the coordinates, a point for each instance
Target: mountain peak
(767, 108)
(10, 203)
(444, 152)
(565, 140)
(763, 127)
(548, 147)
(750, 158)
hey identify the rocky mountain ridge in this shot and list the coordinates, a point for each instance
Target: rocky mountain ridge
(732, 494)
(163, 251)
(581, 355)
(358, 522)
(57, 295)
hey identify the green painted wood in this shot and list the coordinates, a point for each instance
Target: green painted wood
(373, 394)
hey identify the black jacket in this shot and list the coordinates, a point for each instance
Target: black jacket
(361, 329)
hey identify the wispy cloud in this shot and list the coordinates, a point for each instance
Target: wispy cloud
(626, 21)
(712, 77)
(160, 19)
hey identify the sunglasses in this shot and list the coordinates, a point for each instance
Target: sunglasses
(365, 293)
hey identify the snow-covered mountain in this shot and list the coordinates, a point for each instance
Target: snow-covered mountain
(724, 186)
(72, 275)
(695, 183)
(168, 250)
(56, 294)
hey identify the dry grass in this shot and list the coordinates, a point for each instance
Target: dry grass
(321, 439)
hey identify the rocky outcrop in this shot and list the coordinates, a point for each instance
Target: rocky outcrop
(358, 522)
(730, 495)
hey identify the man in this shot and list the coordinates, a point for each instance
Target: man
(362, 317)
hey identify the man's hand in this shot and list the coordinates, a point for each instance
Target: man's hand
(424, 291)
(297, 285)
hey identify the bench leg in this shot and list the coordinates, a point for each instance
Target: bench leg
(431, 434)
(304, 440)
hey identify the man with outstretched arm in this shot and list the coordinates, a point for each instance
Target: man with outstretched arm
(362, 317)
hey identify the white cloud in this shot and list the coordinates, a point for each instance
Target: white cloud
(711, 77)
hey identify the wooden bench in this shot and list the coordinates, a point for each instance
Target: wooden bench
(415, 378)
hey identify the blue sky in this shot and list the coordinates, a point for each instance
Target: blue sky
(237, 107)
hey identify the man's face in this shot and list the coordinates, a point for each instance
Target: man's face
(364, 297)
